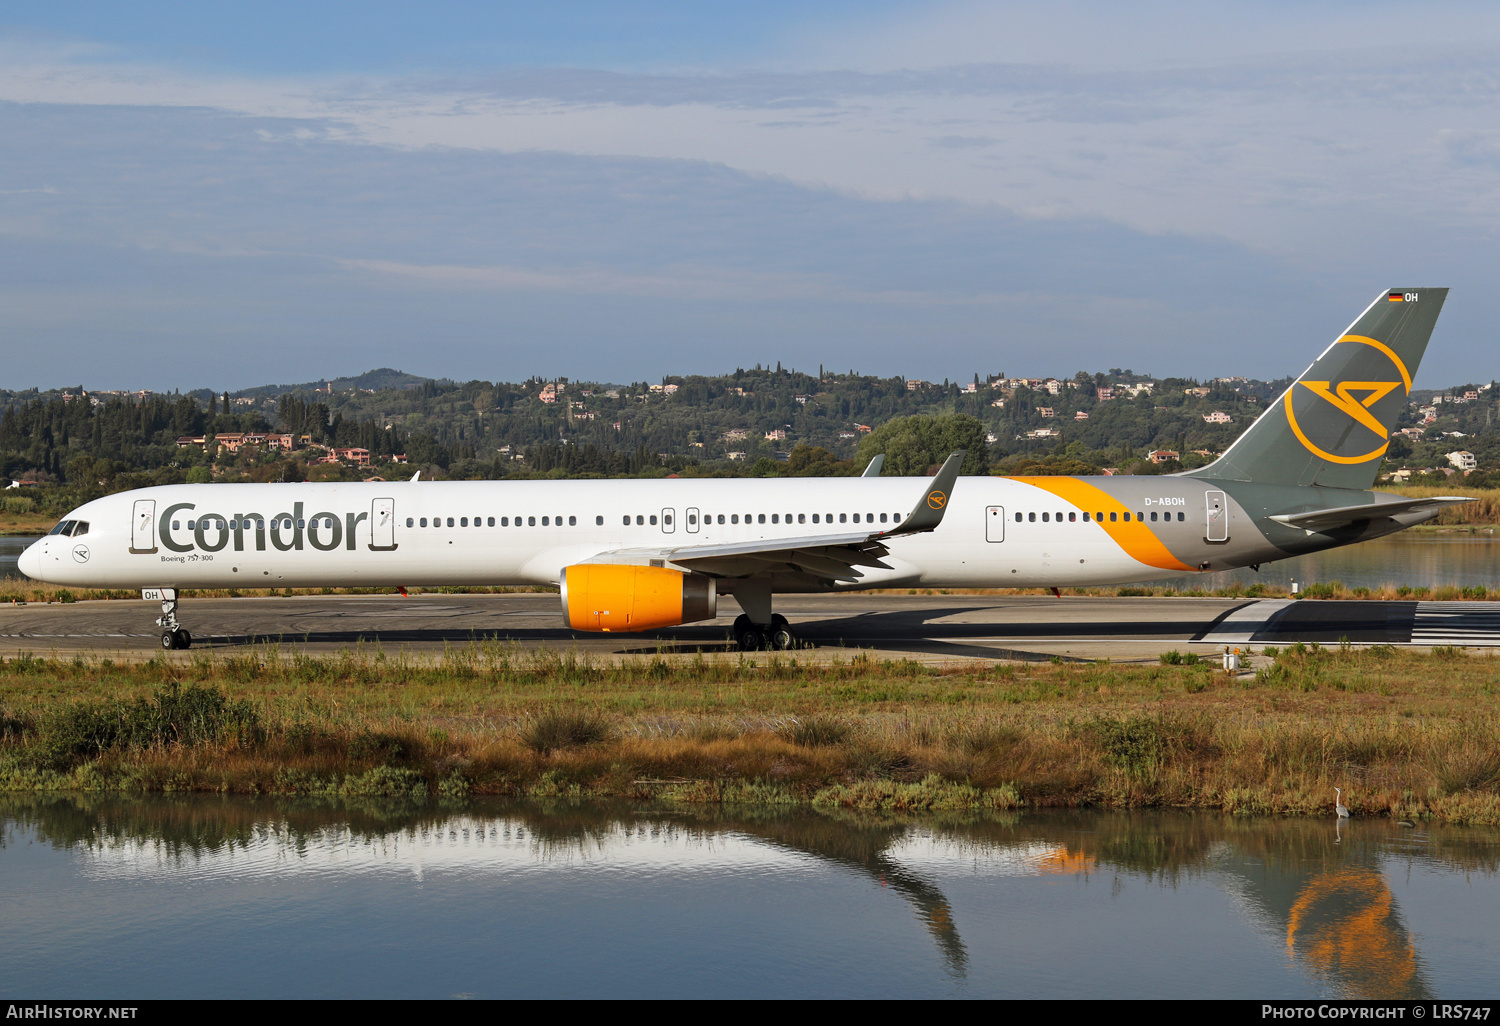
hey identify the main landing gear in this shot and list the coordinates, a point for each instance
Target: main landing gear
(173, 634)
(752, 636)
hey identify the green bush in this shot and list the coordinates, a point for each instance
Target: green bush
(1144, 743)
(815, 731)
(565, 729)
(174, 715)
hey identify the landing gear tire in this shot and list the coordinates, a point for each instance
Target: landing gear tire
(176, 639)
(751, 639)
(184, 640)
(782, 639)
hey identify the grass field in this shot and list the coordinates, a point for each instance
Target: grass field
(1404, 734)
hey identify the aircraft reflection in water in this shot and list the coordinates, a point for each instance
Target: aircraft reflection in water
(1315, 887)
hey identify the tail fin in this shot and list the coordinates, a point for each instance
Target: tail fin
(1332, 427)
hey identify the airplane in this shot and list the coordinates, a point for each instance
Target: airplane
(639, 555)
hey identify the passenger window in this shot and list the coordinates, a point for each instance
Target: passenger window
(1072, 518)
(869, 518)
(176, 526)
(815, 518)
(734, 518)
(843, 518)
(463, 521)
(653, 520)
(546, 522)
(408, 522)
(692, 520)
(775, 518)
(721, 518)
(1153, 517)
(1181, 517)
(260, 525)
(761, 518)
(598, 521)
(882, 518)
(531, 521)
(802, 518)
(666, 519)
(1045, 518)
(1018, 518)
(1085, 516)
(895, 518)
(1031, 517)
(1140, 518)
(505, 521)
(626, 521)
(492, 522)
(1099, 517)
(1114, 516)
(640, 521)
(192, 525)
(572, 521)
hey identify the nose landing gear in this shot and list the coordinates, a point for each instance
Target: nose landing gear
(173, 635)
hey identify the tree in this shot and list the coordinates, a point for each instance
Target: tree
(914, 444)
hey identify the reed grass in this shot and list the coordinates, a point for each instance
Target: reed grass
(1403, 733)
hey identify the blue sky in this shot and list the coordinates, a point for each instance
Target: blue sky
(229, 194)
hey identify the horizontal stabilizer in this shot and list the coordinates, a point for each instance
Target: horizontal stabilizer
(1327, 519)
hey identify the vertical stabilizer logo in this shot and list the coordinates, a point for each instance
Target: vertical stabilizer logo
(1359, 402)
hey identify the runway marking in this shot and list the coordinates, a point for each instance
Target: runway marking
(1469, 624)
(1240, 625)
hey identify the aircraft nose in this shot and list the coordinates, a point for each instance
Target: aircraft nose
(30, 561)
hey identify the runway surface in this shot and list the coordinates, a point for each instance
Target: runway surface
(927, 627)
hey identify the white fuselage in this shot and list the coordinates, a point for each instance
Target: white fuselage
(520, 533)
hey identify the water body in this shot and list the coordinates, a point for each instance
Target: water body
(10, 552)
(1419, 560)
(243, 898)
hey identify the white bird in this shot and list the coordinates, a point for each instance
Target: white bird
(1338, 805)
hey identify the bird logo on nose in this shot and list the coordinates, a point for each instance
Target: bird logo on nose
(80, 553)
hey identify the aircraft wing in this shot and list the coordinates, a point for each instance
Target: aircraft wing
(1327, 519)
(833, 557)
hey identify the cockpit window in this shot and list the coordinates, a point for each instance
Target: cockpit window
(64, 527)
(80, 527)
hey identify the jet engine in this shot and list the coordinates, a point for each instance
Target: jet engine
(614, 597)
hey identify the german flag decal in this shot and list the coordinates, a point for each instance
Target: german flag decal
(1396, 297)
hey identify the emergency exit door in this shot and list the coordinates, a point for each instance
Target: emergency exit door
(994, 523)
(1218, 517)
(143, 526)
(383, 525)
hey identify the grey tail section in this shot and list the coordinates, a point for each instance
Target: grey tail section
(1332, 427)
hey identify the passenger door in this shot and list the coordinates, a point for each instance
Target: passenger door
(143, 527)
(383, 525)
(994, 523)
(1218, 517)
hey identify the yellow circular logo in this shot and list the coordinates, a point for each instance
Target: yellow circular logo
(937, 500)
(1329, 407)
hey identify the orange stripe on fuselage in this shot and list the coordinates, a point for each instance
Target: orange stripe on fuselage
(1135, 538)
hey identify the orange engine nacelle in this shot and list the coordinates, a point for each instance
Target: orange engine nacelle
(611, 597)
